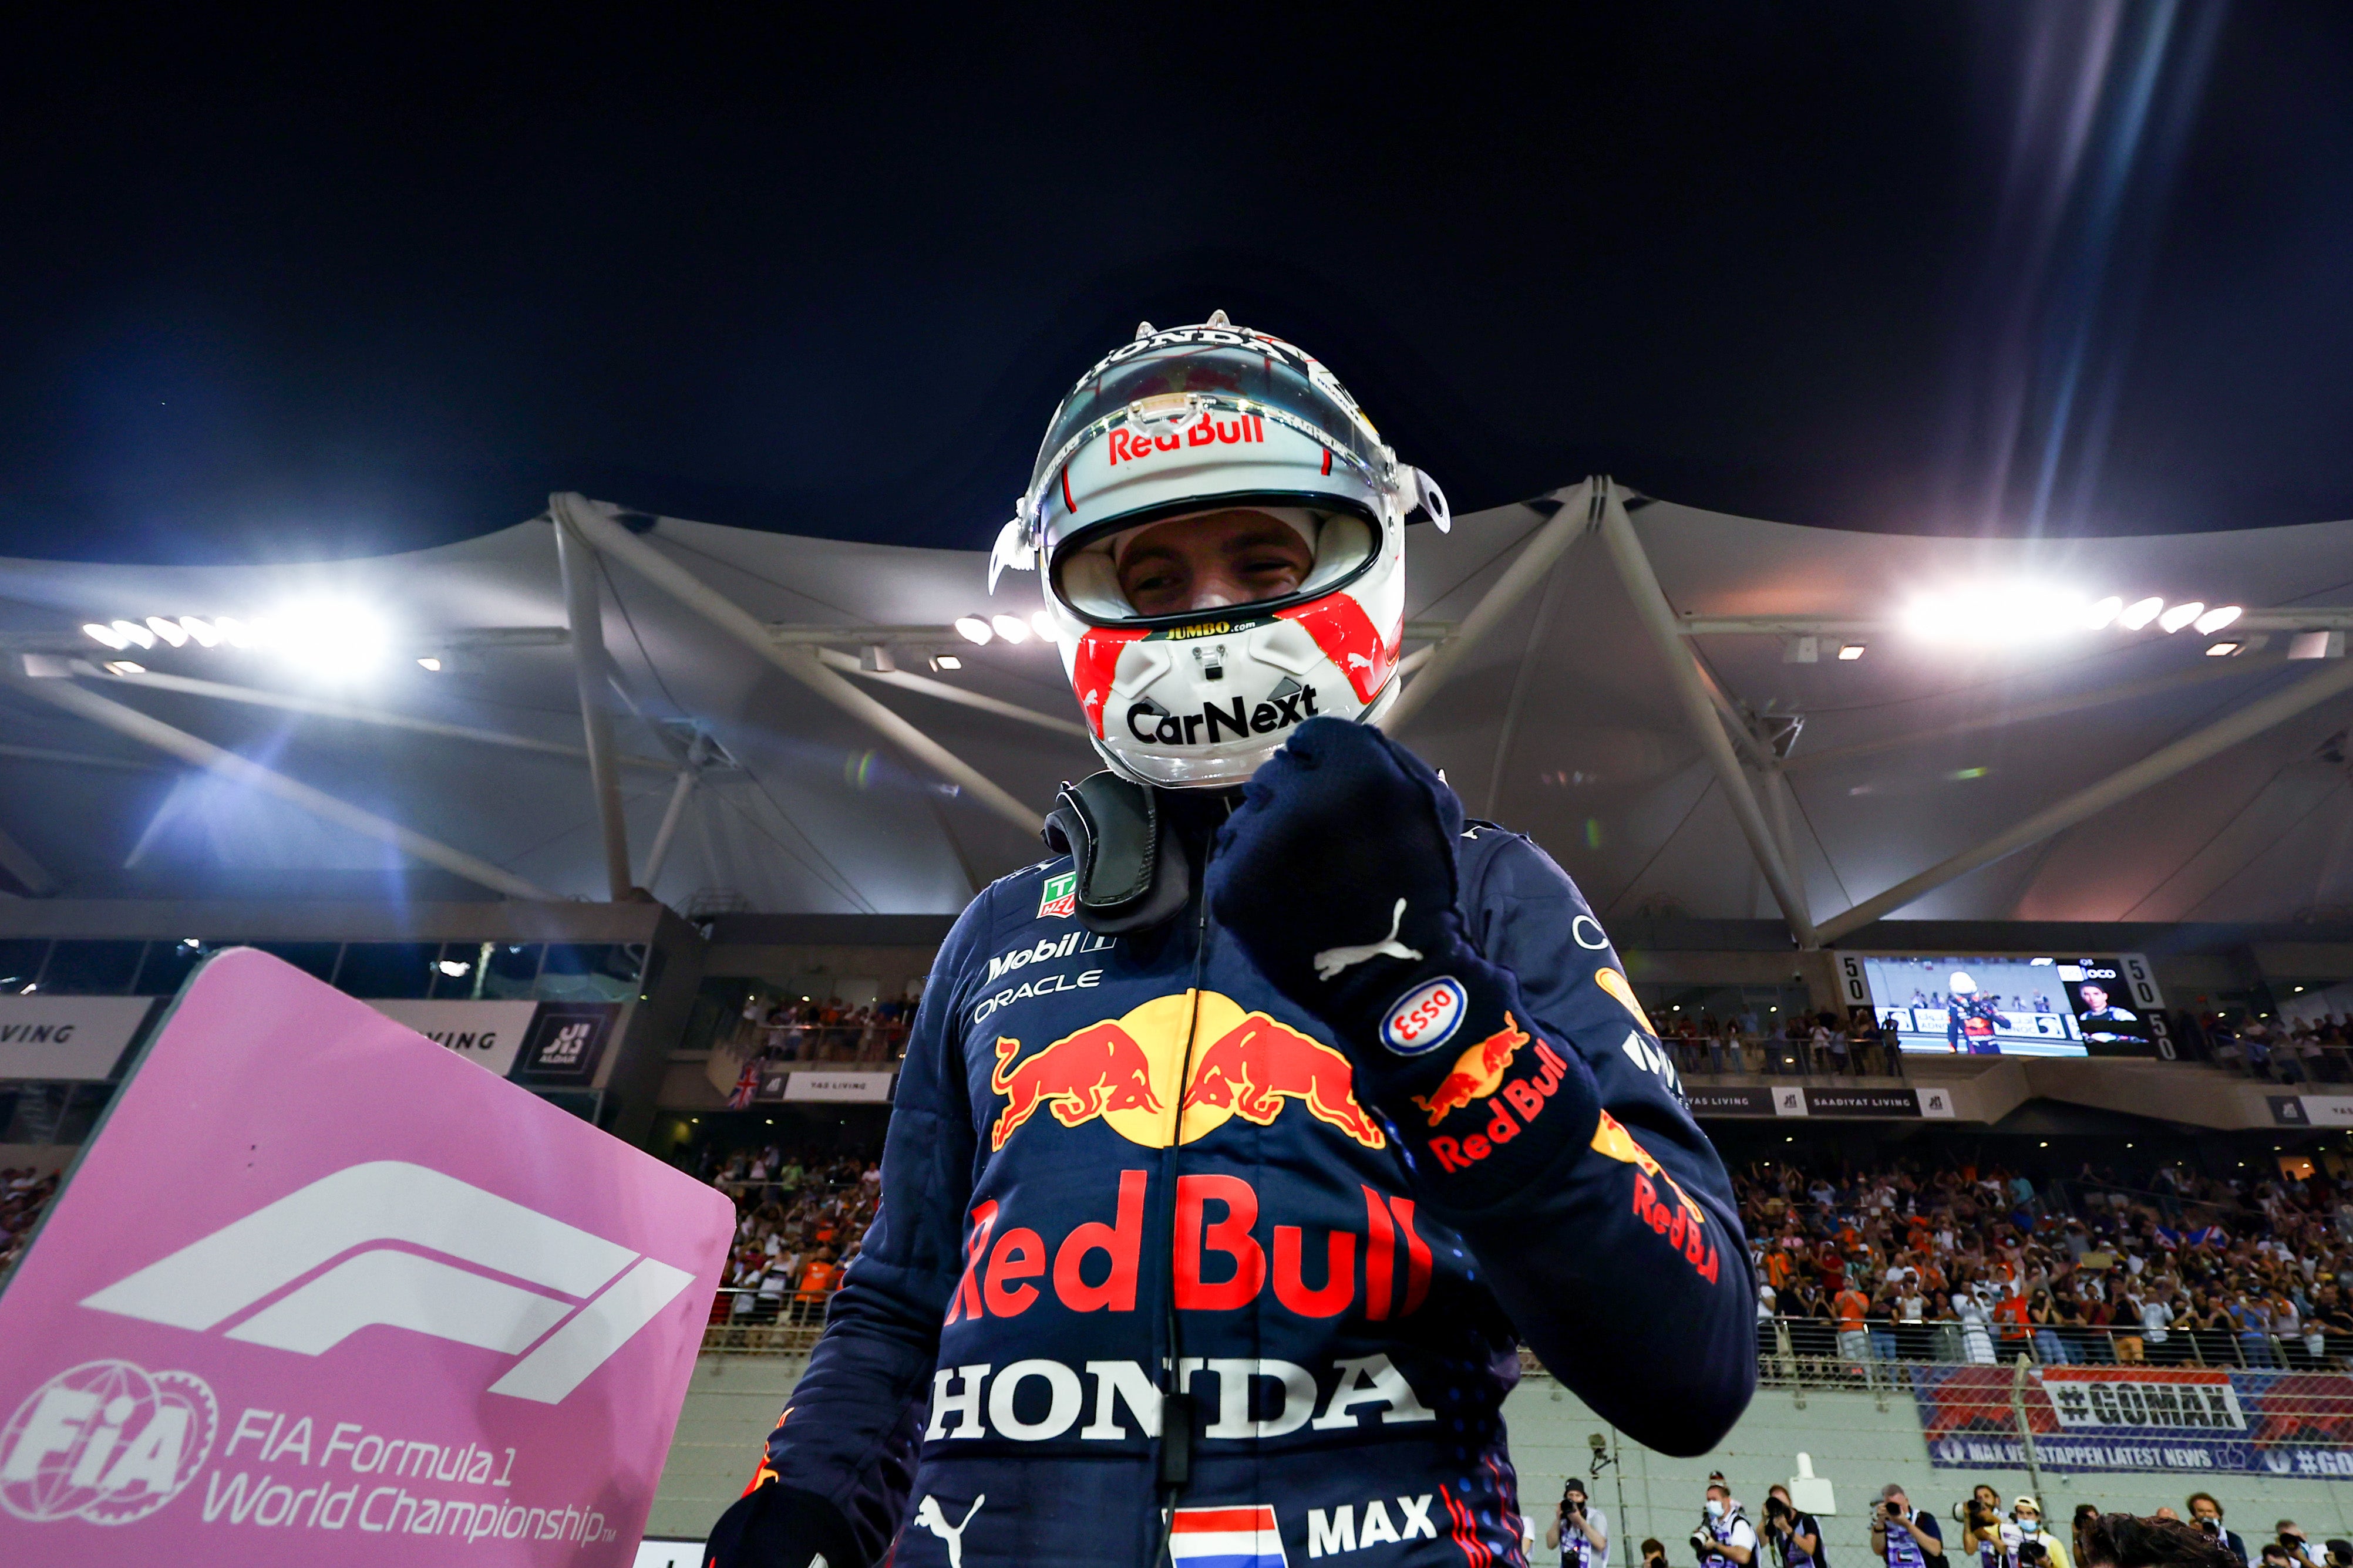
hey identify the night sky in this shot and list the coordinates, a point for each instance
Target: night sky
(270, 293)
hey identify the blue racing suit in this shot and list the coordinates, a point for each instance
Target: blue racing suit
(1117, 1166)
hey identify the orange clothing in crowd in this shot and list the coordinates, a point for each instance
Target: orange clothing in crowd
(1851, 1306)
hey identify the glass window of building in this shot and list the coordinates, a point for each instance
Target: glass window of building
(591, 972)
(20, 964)
(91, 968)
(169, 965)
(510, 971)
(389, 969)
(316, 959)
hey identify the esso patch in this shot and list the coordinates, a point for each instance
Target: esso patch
(1424, 1019)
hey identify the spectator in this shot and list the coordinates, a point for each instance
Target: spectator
(2206, 1515)
(1851, 1306)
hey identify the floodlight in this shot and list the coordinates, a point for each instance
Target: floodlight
(2140, 613)
(327, 636)
(2103, 613)
(200, 629)
(1849, 652)
(973, 629)
(169, 631)
(455, 968)
(104, 635)
(1996, 614)
(1043, 623)
(132, 632)
(234, 632)
(2221, 650)
(946, 661)
(1012, 628)
(2215, 619)
(429, 663)
(124, 667)
(2180, 616)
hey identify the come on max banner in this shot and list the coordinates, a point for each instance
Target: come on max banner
(389, 1308)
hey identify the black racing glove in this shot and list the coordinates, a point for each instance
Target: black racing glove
(1337, 875)
(777, 1526)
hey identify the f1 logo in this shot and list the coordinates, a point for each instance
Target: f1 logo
(363, 1220)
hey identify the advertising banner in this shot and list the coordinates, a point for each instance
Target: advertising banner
(1729, 1101)
(567, 1043)
(68, 1037)
(1794, 1099)
(487, 1034)
(868, 1087)
(318, 1292)
(2141, 1419)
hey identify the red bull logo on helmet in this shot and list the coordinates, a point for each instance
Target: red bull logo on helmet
(1125, 1071)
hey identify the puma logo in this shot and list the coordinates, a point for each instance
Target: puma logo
(928, 1515)
(1333, 960)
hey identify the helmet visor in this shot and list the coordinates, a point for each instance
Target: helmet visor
(1242, 558)
(1171, 378)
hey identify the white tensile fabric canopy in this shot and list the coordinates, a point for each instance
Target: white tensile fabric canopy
(1555, 709)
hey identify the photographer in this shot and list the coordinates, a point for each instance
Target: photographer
(2036, 1546)
(2206, 1515)
(1655, 1553)
(1724, 1534)
(1903, 1536)
(1579, 1530)
(1796, 1538)
(1991, 1538)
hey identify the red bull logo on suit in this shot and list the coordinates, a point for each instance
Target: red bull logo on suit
(1125, 1072)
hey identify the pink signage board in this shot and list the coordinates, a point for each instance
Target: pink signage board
(321, 1291)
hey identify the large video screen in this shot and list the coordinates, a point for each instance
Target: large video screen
(2012, 1005)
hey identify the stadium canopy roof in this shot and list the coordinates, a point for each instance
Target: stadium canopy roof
(1653, 692)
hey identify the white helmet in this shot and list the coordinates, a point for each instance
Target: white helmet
(1961, 985)
(1204, 419)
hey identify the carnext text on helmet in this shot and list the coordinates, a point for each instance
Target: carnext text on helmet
(1184, 729)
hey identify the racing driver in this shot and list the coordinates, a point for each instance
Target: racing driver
(1236, 1146)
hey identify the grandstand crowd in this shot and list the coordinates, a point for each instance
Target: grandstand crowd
(23, 1196)
(2287, 1050)
(800, 1219)
(1972, 1262)
(807, 1030)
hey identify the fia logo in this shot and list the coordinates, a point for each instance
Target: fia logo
(106, 1441)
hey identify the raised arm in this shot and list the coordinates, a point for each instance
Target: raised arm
(1493, 1029)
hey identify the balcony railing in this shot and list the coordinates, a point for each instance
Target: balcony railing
(1792, 1353)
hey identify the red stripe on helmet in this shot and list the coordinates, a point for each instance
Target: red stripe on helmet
(1069, 505)
(1347, 637)
(1327, 460)
(1096, 663)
